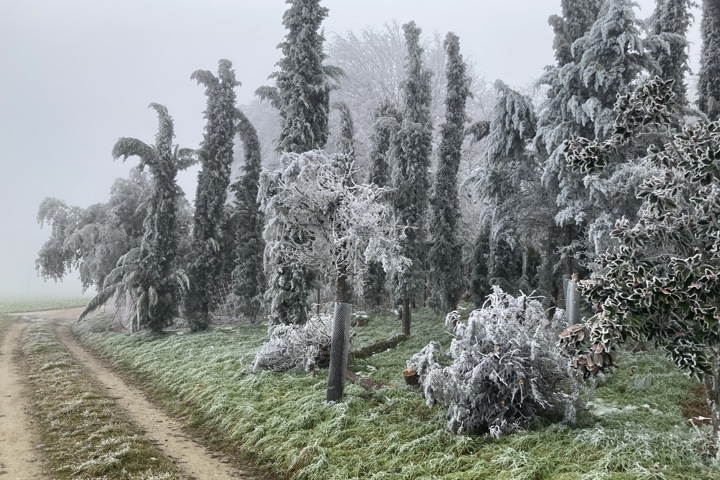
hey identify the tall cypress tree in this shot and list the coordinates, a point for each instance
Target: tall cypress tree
(669, 24)
(445, 255)
(411, 154)
(387, 119)
(248, 275)
(709, 78)
(149, 273)
(302, 94)
(303, 83)
(580, 101)
(575, 20)
(216, 156)
(506, 180)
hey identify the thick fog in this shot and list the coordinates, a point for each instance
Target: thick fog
(78, 74)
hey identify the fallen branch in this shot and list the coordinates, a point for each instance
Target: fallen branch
(377, 347)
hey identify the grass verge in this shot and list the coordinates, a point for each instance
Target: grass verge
(85, 434)
(17, 305)
(283, 422)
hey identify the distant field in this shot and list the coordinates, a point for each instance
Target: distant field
(30, 304)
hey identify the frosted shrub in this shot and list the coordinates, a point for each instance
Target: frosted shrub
(296, 346)
(505, 369)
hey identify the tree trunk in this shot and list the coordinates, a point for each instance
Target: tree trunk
(406, 316)
(340, 343)
(712, 395)
(568, 258)
(342, 288)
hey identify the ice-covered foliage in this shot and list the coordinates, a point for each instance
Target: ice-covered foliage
(319, 218)
(248, 275)
(669, 25)
(709, 78)
(505, 372)
(216, 156)
(386, 121)
(445, 254)
(92, 239)
(411, 151)
(661, 282)
(296, 346)
(302, 83)
(148, 274)
(508, 182)
(604, 61)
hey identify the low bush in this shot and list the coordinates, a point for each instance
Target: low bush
(294, 346)
(505, 370)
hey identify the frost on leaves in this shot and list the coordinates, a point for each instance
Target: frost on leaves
(505, 369)
(319, 218)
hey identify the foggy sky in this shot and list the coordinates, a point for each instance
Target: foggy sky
(79, 74)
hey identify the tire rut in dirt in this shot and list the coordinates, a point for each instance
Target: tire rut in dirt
(159, 428)
(18, 455)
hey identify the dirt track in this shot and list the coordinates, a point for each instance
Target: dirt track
(190, 457)
(18, 458)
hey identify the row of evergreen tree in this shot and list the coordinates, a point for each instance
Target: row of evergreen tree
(538, 219)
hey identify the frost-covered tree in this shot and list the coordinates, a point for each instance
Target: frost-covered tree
(249, 281)
(302, 83)
(387, 120)
(327, 222)
(709, 78)
(216, 156)
(577, 16)
(581, 95)
(148, 274)
(346, 139)
(445, 254)
(507, 182)
(505, 369)
(91, 240)
(411, 151)
(302, 96)
(669, 25)
(373, 62)
(661, 283)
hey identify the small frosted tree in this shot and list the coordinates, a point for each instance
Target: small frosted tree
(342, 225)
(661, 283)
(216, 155)
(411, 153)
(505, 369)
(249, 281)
(445, 254)
(148, 273)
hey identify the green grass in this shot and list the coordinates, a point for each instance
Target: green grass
(283, 422)
(21, 304)
(84, 433)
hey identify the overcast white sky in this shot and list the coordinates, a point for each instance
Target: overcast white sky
(78, 74)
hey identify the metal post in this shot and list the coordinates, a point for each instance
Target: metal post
(339, 349)
(572, 303)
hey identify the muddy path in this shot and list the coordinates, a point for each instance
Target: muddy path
(18, 456)
(192, 458)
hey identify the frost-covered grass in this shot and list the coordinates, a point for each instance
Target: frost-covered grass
(22, 304)
(282, 421)
(84, 433)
